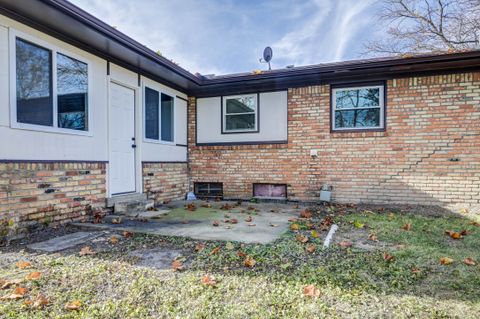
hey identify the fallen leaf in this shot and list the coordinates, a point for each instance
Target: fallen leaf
(191, 207)
(306, 213)
(415, 270)
(249, 219)
(469, 262)
(373, 237)
(391, 216)
(474, 223)
(241, 254)
(4, 284)
(326, 223)
(36, 275)
(233, 221)
(87, 250)
(116, 220)
(446, 261)
(345, 243)
(229, 246)
(251, 225)
(453, 235)
(208, 280)
(292, 219)
(226, 207)
(315, 234)
(302, 239)
(40, 302)
(273, 225)
(388, 257)
(464, 232)
(358, 224)
(310, 226)
(311, 291)
(215, 223)
(249, 262)
(127, 234)
(73, 305)
(177, 265)
(294, 226)
(23, 264)
(311, 248)
(214, 251)
(407, 227)
(18, 293)
(114, 240)
(199, 247)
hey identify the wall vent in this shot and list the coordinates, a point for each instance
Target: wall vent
(270, 191)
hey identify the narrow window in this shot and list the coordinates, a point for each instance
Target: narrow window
(151, 114)
(34, 84)
(167, 118)
(159, 116)
(358, 108)
(72, 90)
(240, 114)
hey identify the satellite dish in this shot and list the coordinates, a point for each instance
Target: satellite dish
(267, 54)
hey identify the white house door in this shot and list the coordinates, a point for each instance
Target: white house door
(122, 139)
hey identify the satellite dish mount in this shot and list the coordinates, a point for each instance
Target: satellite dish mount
(267, 56)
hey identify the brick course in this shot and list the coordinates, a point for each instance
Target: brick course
(33, 195)
(165, 182)
(429, 153)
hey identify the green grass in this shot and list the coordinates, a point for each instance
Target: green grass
(354, 283)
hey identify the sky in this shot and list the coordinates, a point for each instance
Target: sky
(228, 36)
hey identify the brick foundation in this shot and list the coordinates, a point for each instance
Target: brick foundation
(429, 153)
(35, 195)
(165, 182)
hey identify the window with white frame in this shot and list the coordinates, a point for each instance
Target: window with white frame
(159, 116)
(358, 108)
(51, 88)
(240, 114)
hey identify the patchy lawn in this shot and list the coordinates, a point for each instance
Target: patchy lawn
(381, 264)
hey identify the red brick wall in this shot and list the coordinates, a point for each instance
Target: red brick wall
(429, 121)
(48, 194)
(165, 182)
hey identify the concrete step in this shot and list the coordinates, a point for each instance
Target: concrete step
(132, 207)
(125, 198)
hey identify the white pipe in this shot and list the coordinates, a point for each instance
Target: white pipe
(328, 239)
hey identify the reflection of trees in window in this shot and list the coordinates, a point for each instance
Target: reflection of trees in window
(72, 86)
(357, 108)
(33, 70)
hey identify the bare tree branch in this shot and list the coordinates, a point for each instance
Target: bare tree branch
(419, 26)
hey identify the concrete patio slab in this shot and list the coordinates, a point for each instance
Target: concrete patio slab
(64, 242)
(268, 222)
